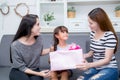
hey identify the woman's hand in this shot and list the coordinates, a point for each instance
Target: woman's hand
(51, 48)
(87, 55)
(45, 73)
(83, 66)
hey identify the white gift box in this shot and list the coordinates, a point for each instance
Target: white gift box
(62, 60)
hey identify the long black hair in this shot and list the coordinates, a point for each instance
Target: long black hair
(56, 32)
(26, 24)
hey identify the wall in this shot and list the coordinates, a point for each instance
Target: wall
(0, 25)
(10, 22)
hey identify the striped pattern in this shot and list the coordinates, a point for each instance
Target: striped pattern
(108, 41)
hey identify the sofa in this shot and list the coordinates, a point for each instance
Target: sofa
(81, 39)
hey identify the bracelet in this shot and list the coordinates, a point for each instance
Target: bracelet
(3, 12)
(18, 5)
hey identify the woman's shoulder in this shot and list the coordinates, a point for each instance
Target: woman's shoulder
(109, 34)
(39, 38)
(15, 44)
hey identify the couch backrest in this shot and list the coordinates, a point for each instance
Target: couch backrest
(79, 39)
(6, 40)
(4, 50)
(118, 51)
(82, 39)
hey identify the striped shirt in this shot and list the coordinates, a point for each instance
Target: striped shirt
(108, 41)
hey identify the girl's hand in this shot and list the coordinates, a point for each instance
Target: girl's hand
(83, 66)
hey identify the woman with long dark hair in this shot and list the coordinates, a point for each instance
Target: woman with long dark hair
(26, 49)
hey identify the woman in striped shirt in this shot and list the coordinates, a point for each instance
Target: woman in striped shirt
(103, 45)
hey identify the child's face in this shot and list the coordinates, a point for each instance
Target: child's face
(62, 35)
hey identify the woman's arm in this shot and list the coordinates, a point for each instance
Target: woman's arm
(89, 54)
(44, 73)
(110, 45)
(108, 56)
(46, 51)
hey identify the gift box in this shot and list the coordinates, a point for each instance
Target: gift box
(62, 60)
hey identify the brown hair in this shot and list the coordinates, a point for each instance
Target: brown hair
(99, 15)
(56, 32)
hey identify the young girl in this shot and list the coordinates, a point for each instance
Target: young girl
(60, 37)
(102, 47)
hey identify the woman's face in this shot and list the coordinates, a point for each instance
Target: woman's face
(62, 35)
(36, 28)
(93, 25)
